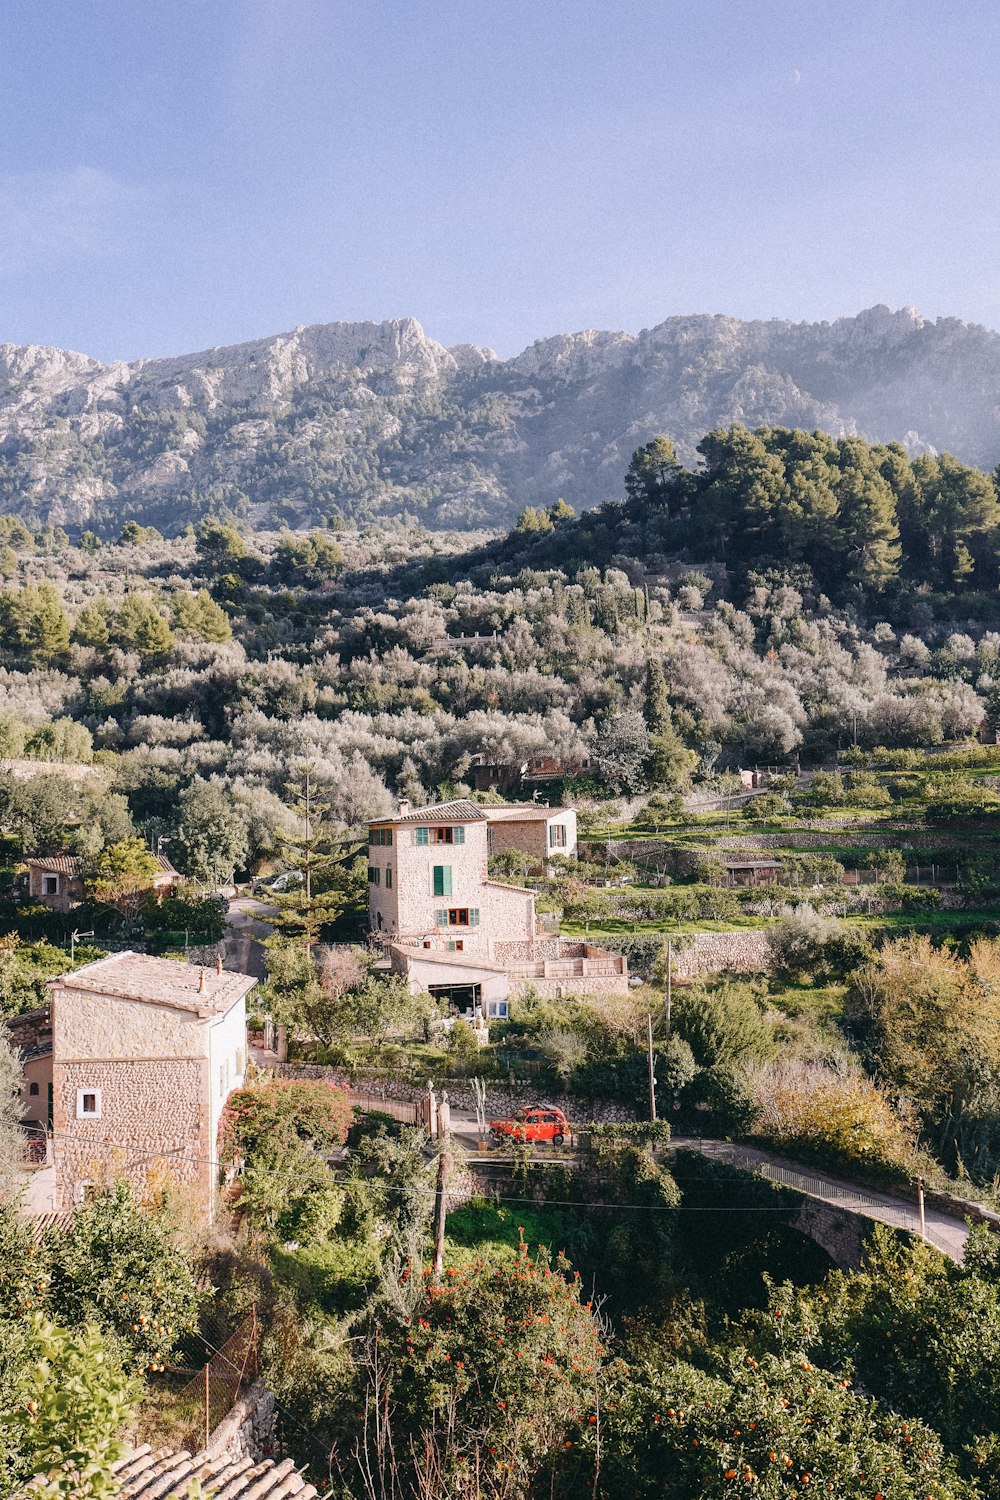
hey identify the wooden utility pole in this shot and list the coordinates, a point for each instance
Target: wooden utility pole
(441, 1194)
(652, 1073)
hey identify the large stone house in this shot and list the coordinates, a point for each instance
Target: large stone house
(457, 933)
(140, 1057)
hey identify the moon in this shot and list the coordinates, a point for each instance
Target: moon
(796, 77)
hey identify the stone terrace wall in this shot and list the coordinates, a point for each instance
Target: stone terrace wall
(501, 1098)
(744, 951)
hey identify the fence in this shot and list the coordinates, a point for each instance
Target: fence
(210, 1394)
(402, 1110)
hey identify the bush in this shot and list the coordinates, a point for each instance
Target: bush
(837, 1115)
(285, 1113)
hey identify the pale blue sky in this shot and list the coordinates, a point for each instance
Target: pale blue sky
(181, 173)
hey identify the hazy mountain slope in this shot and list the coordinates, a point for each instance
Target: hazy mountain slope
(361, 419)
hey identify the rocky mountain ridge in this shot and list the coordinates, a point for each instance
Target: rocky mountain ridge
(352, 421)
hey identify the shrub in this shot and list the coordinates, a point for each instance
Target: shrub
(285, 1112)
(837, 1114)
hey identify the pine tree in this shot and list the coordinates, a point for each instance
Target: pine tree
(316, 851)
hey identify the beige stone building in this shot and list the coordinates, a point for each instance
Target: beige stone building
(453, 930)
(56, 880)
(143, 1053)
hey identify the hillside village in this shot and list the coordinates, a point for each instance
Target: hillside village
(390, 923)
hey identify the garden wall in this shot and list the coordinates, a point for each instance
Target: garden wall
(744, 951)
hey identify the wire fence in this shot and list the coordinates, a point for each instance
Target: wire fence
(214, 1390)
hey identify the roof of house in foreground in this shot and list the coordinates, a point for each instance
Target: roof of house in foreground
(146, 1475)
(160, 981)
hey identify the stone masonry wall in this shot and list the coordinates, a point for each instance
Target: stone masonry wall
(152, 1112)
(501, 1098)
(744, 951)
(249, 1428)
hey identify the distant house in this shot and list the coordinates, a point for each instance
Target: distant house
(458, 933)
(488, 775)
(140, 1057)
(56, 880)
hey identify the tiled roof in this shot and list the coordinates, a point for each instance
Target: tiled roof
(58, 864)
(160, 981)
(505, 885)
(416, 954)
(460, 811)
(146, 1475)
(165, 865)
(523, 812)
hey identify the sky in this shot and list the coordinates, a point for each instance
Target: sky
(177, 174)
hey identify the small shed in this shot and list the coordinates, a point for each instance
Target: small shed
(752, 871)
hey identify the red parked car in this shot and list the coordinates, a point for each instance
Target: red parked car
(537, 1122)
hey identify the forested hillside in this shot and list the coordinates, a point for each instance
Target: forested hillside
(346, 421)
(650, 636)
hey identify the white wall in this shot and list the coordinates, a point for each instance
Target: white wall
(227, 1060)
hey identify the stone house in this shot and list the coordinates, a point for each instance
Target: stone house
(142, 1055)
(56, 880)
(743, 872)
(451, 928)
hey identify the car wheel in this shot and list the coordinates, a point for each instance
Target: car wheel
(558, 1138)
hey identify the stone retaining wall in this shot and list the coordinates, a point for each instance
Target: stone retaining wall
(249, 1429)
(501, 1098)
(744, 951)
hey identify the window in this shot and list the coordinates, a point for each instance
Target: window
(88, 1104)
(447, 835)
(458, 916)
(456, 947)
(388, 877)
(423, 835)
(442, 880)
(557, 836)
(33, 1090)
(440, 919)
(50, 885)
(379, 836)
(83, 1193)
(374, 875)
(473, 916)
(496, 1010)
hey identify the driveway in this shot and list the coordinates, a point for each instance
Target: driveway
(246, 928)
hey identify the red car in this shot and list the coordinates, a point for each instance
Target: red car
(537, 1122)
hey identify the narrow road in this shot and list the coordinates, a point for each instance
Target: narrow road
(247, 926)
(946, 1232)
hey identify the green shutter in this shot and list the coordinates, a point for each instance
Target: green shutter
(423, 835)
(474, 916)
(442, 880)
(459, 835)
(440, 919)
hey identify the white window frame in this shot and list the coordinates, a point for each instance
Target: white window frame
(50, 885)
(89, 1114)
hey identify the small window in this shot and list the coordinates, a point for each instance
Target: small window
(473, 916)
(458, 916)
(457, 946)
(423, 835)
(380, 836)
(388, 877)
(496, 1010)
(88, 1104)
(443, 835)
(442, 880)
(440, 919)
(374, 875)
(83, 1193)
(557, 836)
(33, 1090)
(50, 885)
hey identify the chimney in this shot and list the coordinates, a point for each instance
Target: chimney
(218, 964)
(201, 982)
(404, 806)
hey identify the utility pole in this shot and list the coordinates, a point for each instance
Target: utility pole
(920, 1206)
(652, 1073)
(440, 1194)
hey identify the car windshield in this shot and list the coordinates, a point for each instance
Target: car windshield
(522, 1114)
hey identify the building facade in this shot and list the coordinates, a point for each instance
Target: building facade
(456, 932)
(143, 1055)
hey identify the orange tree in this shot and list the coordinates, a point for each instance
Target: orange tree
(283, 1114)
(771, 1428)
(119, 1267)
(483, 1381)
(918, 1331)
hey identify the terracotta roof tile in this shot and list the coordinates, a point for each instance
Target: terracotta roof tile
(146, 1475)
(59, 864)
(459, 811)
